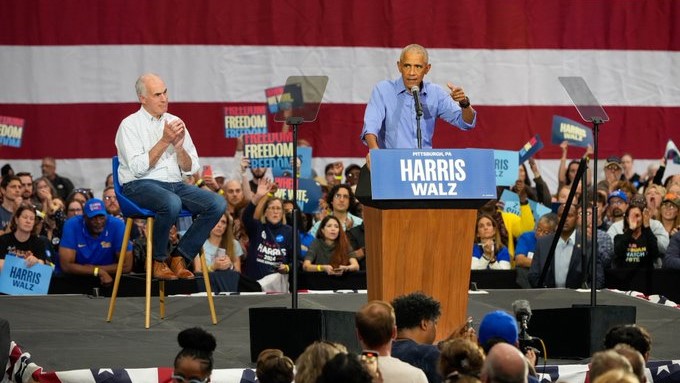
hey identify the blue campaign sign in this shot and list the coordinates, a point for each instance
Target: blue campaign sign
(18, 279)
(511, 205)
(564, 129)
(433, 174)
(530, 148)
(308, 193)
(304, 165)
(507, 167)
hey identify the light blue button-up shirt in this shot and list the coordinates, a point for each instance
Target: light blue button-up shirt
(391, 114)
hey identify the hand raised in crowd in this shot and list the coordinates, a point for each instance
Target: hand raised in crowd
(245, 164)
(646, 217)
(531, 356)
(534, 168)
(457, 93)
(264, 186)
(465, 331)
(589, 150)
(564, 145)
(521, 190)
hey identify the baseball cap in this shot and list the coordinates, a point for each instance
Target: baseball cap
(618, 193)
(613, 161)
(498, 324)
(94, 207)
(672, 197)
(217, 173)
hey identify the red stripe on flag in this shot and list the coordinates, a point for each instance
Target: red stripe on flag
(491, 24)
(88, 130)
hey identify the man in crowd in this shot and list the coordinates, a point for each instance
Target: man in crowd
(504, 364)
(526, 246)
(11, 189)
(91, 243)
(234, 195)
(390, 117)
(26, 185)
(63, 185)
(111, 202)
(341, 200)
(376, 330)
(156, 151)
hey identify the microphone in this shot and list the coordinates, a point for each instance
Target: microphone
(522, 312)
(416, 98)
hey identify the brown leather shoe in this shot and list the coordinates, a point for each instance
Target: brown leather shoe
(178, 267)
(162, 271)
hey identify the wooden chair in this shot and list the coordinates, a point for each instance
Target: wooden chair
(130, 211)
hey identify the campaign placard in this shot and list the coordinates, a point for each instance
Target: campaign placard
(18, 279)
(11, 131)
(433, 174)
(308, 193)
(672, 152)
(268, 150)
(564, 129)
(507, 167)
(511, 205)
(530, 148)
(240, 120)
(273, 96)
(304, 165)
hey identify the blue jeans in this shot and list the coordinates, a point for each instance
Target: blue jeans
(167, 199)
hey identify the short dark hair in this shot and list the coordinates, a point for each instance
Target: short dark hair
(7, 179)
(350, 168)
(344, 368)
(630, 334)
(412, 308)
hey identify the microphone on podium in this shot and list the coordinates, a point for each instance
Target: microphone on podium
(416, 97)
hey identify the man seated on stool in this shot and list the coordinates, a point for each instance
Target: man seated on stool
(155, 152)
(91, 243)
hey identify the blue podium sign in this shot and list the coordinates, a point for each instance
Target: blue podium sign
(433, 174)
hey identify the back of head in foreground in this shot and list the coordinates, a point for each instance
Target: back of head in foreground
(274, 367)
(460, 360)
(376, 325)
(309, 364)
(616, 375)
(608, 360)
(195, 360)
(504, 364)
(344, 368)
(411, 310)
(632, 335)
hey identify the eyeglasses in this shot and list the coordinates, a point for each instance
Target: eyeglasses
(110, 197)
(181, 379)
(669, 205)
(274, 208)
(341, 196)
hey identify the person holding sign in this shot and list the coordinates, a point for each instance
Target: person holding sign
(330, 252)
(156, 152)
(390, 117)
(20, 239)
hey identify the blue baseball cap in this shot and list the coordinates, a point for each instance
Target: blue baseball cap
(94, 207)
(618, 193)
(498, 324)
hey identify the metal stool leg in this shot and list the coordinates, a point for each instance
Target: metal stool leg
(208, 288)
(119, 269)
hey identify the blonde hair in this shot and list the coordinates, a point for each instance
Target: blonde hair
(310, 363)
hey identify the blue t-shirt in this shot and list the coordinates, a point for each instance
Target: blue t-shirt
(102, 250)
(526, 243)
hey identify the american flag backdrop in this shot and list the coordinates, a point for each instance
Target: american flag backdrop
(68, 67)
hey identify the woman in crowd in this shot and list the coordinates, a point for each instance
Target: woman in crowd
(271, 241)
(46, 197)
(653, 196)
(488, 251)
(669, 216)
(274, 367)
(461, 361)
(330, 252)
(21, 239)
(74, 208)
(195, 361)
(637, 246)
(222, 251)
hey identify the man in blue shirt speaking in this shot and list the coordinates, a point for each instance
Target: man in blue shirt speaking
(390, 118)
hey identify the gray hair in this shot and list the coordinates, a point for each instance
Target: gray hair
(417, 49)
(140, 84)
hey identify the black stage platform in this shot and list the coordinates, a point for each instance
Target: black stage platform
(70, 332)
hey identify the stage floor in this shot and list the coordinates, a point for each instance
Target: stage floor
(71, 332)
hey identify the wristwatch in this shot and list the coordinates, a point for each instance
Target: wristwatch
(465, 103)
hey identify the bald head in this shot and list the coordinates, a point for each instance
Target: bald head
(505, 364)
(376, 324)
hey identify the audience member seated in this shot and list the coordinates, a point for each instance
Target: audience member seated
(346, 368)
(461, 361)
(618, 203)
(45, 195)
(139, 249)
(111, 201)
(309, 364)
(342, 202)
(565, 269)
(636, 247)
(91, 244)
(330, 252)
(62, 185)
(488, 251)
(526, 246)
(74, 208)
(672, 258)
(234, 195)
(376, 330)
(20, 239)
(357, 239)
(81, 194)
(194, 363)
(601, 201)
(510, 226)
(669, 217)
(608, 360)
(11, 190)
(271, 240)
(504, 364)
(274, 367)
(26, 186)
(222, 256)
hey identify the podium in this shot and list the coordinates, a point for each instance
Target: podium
(419, 243)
